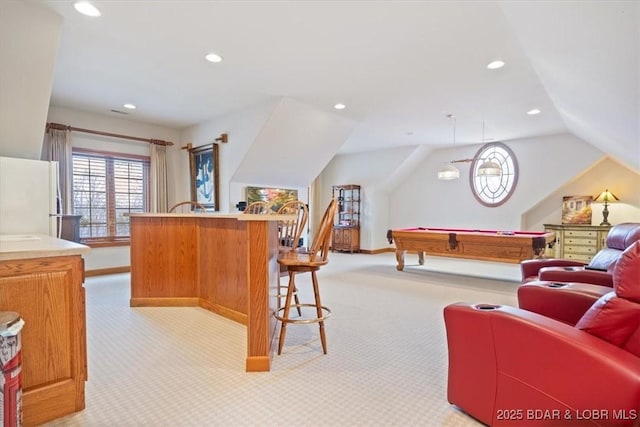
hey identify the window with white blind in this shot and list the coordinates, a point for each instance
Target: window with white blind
(107, 187)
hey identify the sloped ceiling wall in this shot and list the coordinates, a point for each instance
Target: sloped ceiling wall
(589, 87)
(604, 174)
(29, 38)
(293, 146)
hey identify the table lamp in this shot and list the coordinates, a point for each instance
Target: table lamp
(607, 197)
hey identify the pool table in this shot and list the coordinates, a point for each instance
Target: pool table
(485, 245)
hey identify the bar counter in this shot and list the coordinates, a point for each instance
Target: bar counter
(225, 263)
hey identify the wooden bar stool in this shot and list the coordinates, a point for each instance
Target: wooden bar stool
(188, 207)
(305, 262)
(289, 233)
(258, 208)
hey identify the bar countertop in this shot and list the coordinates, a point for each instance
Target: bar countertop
(26, 246)
(238, 216)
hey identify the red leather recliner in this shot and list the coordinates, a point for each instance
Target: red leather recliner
(512, 367)
(566, 302)
(597, 272)
(565, 293)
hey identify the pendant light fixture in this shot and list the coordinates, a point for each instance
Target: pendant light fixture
(488, 167)
(449, 171)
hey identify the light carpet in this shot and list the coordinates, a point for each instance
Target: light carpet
(386, 363)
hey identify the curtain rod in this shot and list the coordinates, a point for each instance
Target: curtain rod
(58, 126)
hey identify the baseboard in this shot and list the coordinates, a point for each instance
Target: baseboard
(110, 270)
(377, 251)
(164, 302)
(224, 311)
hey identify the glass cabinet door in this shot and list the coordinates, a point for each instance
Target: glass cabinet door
(346, 232)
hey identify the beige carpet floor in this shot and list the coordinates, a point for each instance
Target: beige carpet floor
(386, 363)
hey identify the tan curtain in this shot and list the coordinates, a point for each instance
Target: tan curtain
(159, 197)
(57, 147)
(315, 209)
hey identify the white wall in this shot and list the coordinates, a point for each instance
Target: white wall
(242, 128)
(373, 171)
(115, 124)
(605, 174)
(281, 143)
(29, 35)
(119, 256)
(400, 187)
(298, 140)
(544, 165)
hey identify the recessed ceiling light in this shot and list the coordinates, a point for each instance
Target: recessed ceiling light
(339, 106)
(533, 112)
(494, 65)
(86, 8)
(213, 57)
(129, 106)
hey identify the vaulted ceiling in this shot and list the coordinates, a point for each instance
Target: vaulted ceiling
(399, 66)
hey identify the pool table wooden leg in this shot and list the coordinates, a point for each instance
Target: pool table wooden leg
(400, 259)
(420, 257)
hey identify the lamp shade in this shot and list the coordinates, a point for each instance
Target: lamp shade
(606, 196)
(489, 168)
(448, 172)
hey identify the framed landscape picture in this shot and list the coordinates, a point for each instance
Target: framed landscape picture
(576, 209)
(203, 166)
(275, 196)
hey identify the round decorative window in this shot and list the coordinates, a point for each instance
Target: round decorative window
(494, 189)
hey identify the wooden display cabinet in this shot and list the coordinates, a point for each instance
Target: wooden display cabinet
(346, 226)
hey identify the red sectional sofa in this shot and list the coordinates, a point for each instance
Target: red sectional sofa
(513, 367)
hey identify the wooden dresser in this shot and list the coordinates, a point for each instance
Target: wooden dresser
(577, 242)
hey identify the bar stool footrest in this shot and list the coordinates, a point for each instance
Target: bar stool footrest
(325, 310)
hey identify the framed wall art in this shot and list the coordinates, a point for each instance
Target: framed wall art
(203, 166)
(276, 197)
(576, 209)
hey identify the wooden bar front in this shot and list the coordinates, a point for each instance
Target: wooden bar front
(224, 263)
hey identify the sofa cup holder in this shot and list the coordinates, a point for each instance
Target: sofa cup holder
(555, 285)
(486, 307)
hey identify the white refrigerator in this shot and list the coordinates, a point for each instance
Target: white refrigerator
(28, 196)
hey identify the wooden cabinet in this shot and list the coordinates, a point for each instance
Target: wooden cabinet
(346, 239)
(346, 226)
(49, 295)
(577, 242)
